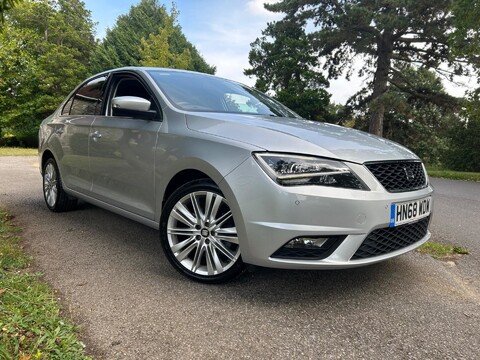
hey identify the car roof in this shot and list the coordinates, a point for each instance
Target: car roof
(150, 68)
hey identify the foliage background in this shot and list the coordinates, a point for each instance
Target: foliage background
(406, 48)
(47, 47)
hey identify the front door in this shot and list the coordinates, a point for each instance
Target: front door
(122, 153)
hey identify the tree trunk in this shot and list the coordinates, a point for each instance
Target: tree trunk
(380, 82)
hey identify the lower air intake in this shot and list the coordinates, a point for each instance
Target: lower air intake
(385, 240)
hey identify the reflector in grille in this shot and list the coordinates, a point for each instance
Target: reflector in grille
(399, 176)
(386, 240)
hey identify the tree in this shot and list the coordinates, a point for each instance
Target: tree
(386, 34)
(463, 152)
(44, 55)
(122, 44)
(421, 126)
(6, 5)
(155, 50)
(465, 38)
(286, 66)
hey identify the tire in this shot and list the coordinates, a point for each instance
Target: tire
(56, 198)
(198, 233)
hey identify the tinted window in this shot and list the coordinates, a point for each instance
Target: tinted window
(131, 87)
(125, 85)
(198, 92)
(87, 100)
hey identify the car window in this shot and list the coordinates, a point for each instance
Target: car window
(126, 85)
(87, 100)
(241, 103)
(131, 87)
(198, 92)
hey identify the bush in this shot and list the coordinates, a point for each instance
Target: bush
(24, 140)
(463, 152)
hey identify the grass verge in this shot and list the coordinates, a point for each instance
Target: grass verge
(453, 175)
(30, 323)
(14, 151)
(442, 251)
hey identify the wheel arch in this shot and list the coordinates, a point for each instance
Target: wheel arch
(47, 154)
(181, 171)
(182, 178)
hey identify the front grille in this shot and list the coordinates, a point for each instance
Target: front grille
(386, 240)
(399, 176)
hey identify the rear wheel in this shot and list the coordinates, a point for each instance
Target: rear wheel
(198, 233)
(55, 197)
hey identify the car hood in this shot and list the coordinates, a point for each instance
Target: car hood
(277, 134)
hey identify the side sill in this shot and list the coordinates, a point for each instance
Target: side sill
(116, 210)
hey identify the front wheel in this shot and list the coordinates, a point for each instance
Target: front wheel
(56, 198)
(198, 233)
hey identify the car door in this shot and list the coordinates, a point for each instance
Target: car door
(73, 130)
(122, 150)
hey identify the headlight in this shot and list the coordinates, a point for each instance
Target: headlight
(290, 170)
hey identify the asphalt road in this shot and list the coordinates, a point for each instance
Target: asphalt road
(116, 283)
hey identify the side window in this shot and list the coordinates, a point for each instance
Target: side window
(87, 100)
(67, 107)
(129, 86)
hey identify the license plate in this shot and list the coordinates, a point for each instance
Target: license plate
(408, 211)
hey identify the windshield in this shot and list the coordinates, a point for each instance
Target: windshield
(199, 92)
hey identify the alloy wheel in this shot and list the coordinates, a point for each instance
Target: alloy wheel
(50, 186)
(202, 235)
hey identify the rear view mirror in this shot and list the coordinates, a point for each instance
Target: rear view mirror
(133, 106)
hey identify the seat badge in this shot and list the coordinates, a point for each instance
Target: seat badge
(409, 174)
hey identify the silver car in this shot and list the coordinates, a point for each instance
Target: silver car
(230, 176)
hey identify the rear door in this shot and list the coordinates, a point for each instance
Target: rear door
(76, 118)
(122, 150)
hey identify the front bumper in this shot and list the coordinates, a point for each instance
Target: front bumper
(268, 216)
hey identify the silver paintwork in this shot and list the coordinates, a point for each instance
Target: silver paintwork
(300, 136)
(125, 165)
(131, 103)
(210, 241)
(278, 214)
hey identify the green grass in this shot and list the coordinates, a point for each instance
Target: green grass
(453, 175)
(31, 326)
(13, 151)
(441, 251)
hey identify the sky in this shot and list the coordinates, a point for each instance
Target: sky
(222, 31)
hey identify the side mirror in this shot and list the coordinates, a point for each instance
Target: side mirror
(133, 106)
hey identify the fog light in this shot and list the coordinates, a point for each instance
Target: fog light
(306, 243)
(309, 248)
